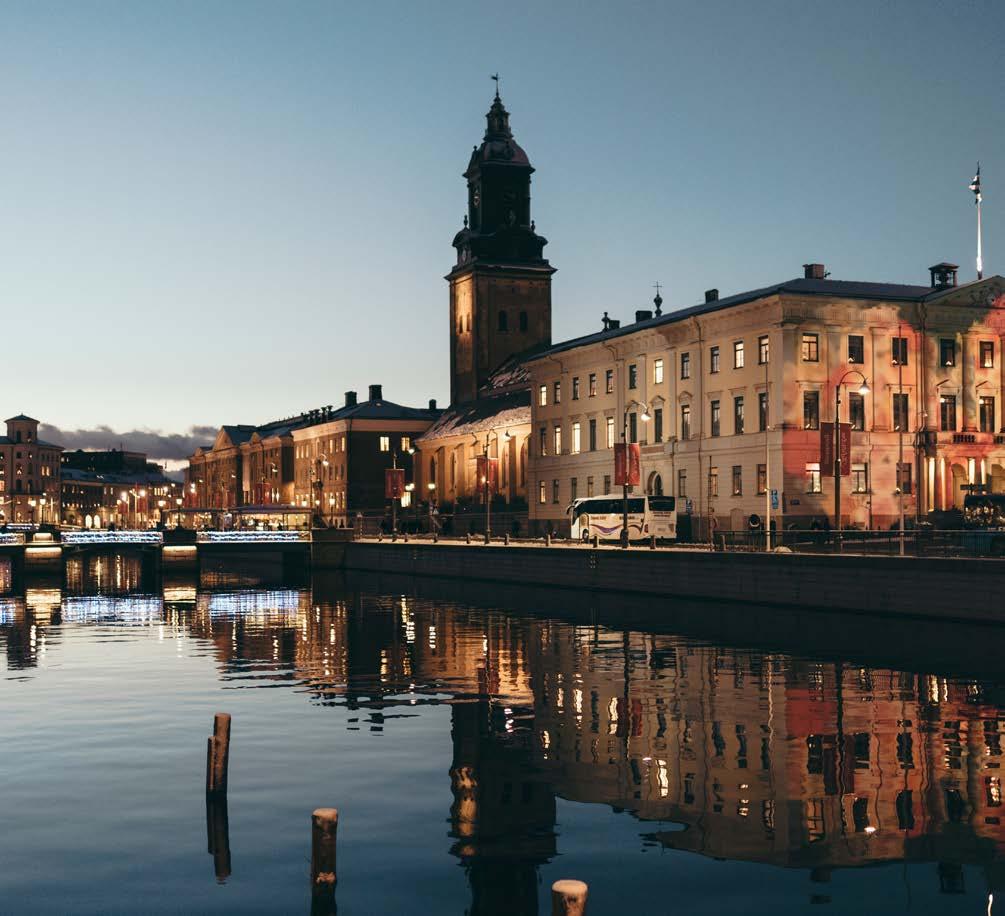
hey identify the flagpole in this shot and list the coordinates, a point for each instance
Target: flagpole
(975, 186)
(980, 259)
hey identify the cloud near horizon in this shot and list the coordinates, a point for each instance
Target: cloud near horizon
(158, 446)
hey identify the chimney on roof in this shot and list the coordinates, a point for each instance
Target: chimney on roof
(432, 403)
(711, 295)
(643, 314)
(814, 272)
(613, 323)
(350, 399)
(375, 393)
(943, 275)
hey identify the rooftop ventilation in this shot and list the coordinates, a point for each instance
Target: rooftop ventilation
(350, 399)
(943, 275)
(711, 295)
(432, 403)
(814, 272)
(376, 393)
(643, 314)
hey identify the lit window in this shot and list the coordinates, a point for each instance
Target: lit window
(859, 478)
(593, 384)
(558, 440)
(813, 477)
(763, 350)
(575, 439)
(406, 443)
(542, 396)
(856, 348)
(658, 372)
(610, 432)
(738, 354)
(542, 493)
(947, 351)
(685, 421)
(811, 348)
(609, 381)
(385, 443)
(987, 354)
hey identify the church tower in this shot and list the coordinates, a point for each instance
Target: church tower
(500, 287)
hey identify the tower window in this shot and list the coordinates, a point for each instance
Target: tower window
(523, 321)
(503, 321)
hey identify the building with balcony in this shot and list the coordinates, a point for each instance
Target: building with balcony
(727, 398)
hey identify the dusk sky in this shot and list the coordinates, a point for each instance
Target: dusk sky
(228, 212)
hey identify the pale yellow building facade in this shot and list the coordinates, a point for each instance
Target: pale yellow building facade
(736, 389)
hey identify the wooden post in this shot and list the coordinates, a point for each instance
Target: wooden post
(324, 824)
(218, 755)
(568, 898)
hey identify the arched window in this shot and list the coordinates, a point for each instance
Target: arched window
(503, 320)
(523, 321)
(655, 484)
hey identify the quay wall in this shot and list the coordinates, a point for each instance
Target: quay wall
(943, 589)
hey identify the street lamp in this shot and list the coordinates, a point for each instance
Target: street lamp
(431, 488)
(862, 390)
(486, 480)
(644, 416)
(31, 502)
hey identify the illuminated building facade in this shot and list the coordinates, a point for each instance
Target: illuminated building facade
(29, 475)
(340, 463)
(500, 311)
(726, 400)
(101, 487)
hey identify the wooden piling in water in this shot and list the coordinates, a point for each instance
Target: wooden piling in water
(218, 755)
(324, 825)
(568, 898)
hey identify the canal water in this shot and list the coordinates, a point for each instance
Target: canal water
(477, 751)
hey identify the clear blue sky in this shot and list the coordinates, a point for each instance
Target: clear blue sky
(225, 212)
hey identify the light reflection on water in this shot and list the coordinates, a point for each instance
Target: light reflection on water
(522, 748)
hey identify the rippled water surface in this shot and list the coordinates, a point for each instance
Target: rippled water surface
(476, 754)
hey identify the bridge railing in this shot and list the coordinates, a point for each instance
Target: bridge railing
(11, 538)
(253, 537)
(81, 538)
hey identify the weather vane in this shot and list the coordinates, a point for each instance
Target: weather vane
(495, 76)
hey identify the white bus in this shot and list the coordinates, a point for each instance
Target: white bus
(603, 516)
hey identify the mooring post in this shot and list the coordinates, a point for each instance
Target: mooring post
(218, 755)
(568, 898)
(596, 541)
(547, 539)
(506, 539)
(324, 825)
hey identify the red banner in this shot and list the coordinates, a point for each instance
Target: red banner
(487, 470)
(394, 483)
(627, 464)
(827, 449)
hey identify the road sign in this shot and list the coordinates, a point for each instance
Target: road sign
(774, 499)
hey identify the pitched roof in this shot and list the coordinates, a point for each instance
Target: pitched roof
(481, 415)
(847, 289)
(21, 416)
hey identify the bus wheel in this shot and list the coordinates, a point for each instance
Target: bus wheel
(585, 537)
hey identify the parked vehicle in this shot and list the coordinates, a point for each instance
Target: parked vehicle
(603, 517)
(984, 518)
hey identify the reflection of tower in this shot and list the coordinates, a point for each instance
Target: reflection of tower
(503, 815)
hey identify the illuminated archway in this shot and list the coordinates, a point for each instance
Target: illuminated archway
(958, 479)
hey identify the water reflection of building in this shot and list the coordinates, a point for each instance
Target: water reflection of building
(762, 758)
